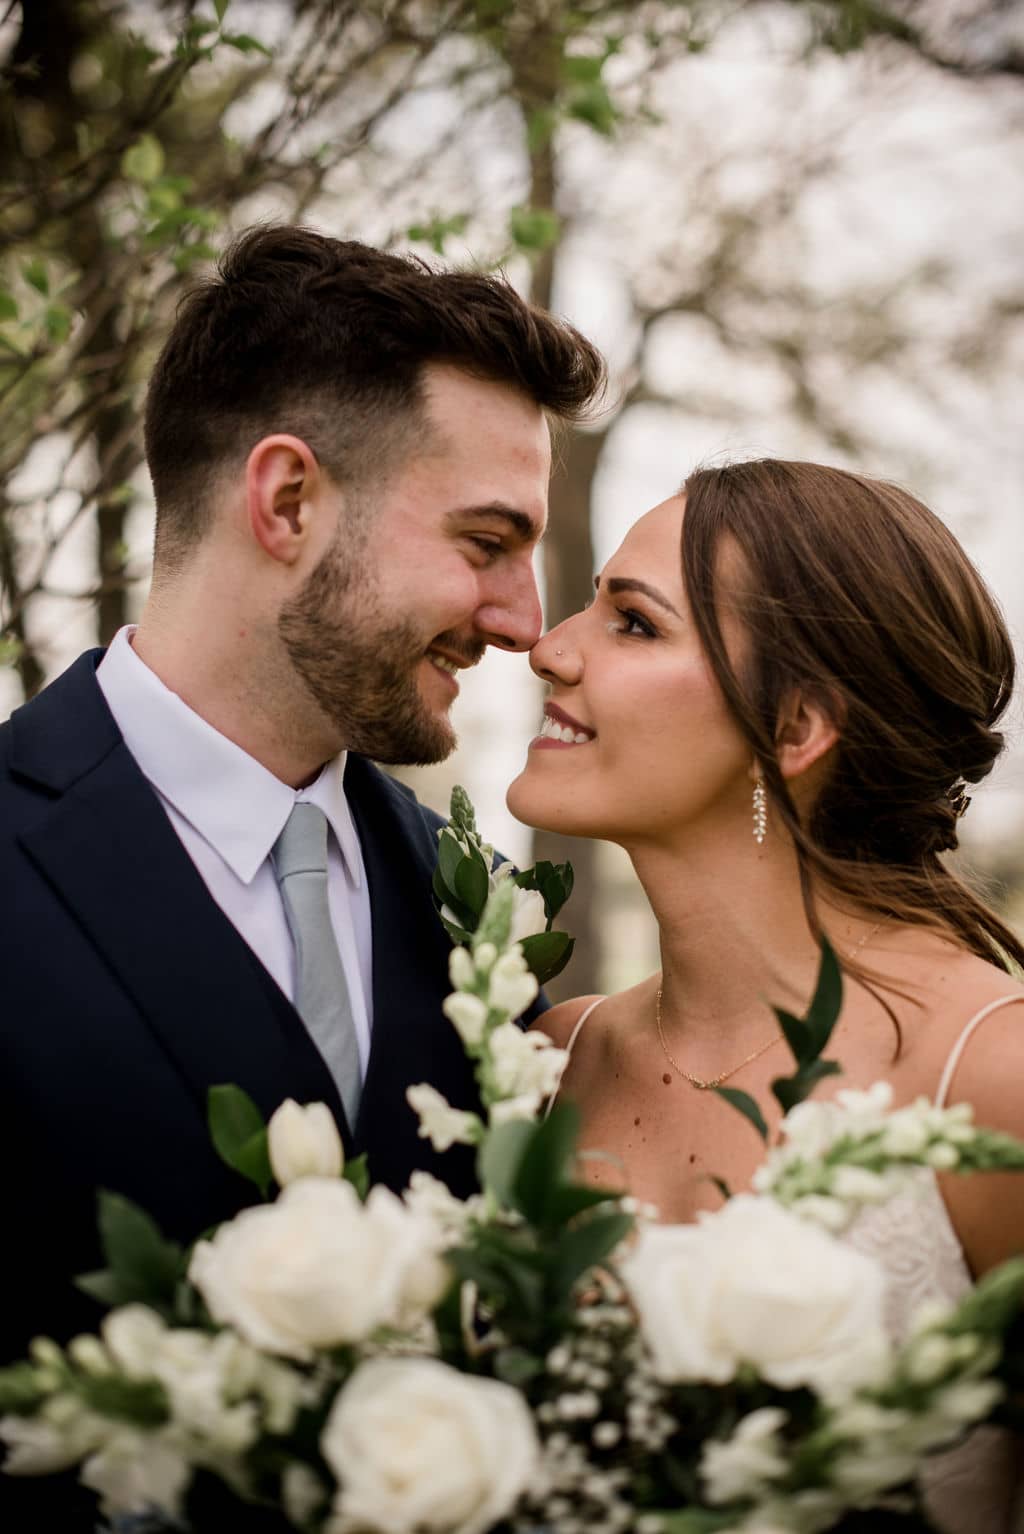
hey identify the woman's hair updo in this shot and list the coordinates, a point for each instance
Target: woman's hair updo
(851, 590)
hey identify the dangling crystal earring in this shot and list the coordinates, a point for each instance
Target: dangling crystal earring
(760, 812)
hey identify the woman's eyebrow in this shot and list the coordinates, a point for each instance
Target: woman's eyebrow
(619, 583)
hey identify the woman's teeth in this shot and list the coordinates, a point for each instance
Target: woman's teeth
(551, 730)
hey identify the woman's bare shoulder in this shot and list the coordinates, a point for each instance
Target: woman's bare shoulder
(559, 1021)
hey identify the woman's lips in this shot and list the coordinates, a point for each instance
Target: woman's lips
(560, 731)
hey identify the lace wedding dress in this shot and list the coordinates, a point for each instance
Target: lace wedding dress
(977, 1487)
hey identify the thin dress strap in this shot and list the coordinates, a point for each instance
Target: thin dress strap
(569, 1048)
(961, 1044)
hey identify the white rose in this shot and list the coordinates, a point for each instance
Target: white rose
(440, 1123)
(317, 1268)
(467, 1014)
(135, 1472)
(417, 1446)
(304, 1142)
(754, 1284)
(528, 914)
(512, 986)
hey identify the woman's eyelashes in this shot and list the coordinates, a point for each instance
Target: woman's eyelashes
(632, 625)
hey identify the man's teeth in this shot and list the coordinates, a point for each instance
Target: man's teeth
(551, 730)
(443, 661)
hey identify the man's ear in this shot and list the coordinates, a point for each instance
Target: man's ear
(809, 725)
(283, 482)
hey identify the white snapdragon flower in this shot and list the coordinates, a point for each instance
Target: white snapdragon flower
(525, 1106)
(461, 969)
(440, 1123)
(741, 1466)
(525, 1062)
(60, 1434)
(511, 985)
(135, 1472)
(304, 1142)
(419, 1448)
(431, 1200)
(468, 1015)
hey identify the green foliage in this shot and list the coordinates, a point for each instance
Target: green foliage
(547, 953)
(239, 1134)
(747, 1105)
(357, 1172)
(437, 231)
(533, 230)
(22, 1389)
(141, 1264)
(143, 1402)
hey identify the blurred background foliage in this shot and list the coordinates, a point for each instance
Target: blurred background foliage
(790, 223)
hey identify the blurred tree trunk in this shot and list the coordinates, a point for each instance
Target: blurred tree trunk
(536, 65)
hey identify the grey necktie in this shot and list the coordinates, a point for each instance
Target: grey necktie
(321, 993)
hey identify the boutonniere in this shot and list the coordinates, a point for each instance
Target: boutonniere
(466, 875)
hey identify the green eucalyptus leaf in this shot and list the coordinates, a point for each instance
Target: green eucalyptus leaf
(139, 1257)
(143, 1402)
(238, 1133)
(591, 104)
(583, 1248)
(545, 1162)
(790, 1090)
(449, 855)
(8, 307)
(797, 1034)
(58, 322)
(500, 1157)
(516, 1366)
(572, 1199)
(582, 68)
(827, 1001)
(547, 954)
(220, 8)
(722, 1186)
(105, 1287)
(747, 1105)
(471, 883)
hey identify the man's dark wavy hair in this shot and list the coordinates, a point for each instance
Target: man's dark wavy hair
(327, 340)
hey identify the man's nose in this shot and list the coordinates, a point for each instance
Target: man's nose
(510, 616)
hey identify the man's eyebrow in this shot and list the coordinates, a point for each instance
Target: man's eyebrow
(619, 583)
(526, 528)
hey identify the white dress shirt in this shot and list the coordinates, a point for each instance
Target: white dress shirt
(228, 811)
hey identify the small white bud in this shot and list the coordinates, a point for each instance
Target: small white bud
(304, 1142)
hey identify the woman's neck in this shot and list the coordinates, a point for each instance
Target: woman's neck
(735, 935)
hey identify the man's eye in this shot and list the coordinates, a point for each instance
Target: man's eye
(489, 546)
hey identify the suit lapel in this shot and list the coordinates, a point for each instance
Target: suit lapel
(412, 1041)
(110, 853)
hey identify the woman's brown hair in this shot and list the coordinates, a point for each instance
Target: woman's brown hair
(853, 592)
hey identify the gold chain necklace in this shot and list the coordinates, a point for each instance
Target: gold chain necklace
(716, 1081)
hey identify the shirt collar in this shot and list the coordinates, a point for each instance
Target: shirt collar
(228, 797)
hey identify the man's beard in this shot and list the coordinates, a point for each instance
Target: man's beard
(362, 670)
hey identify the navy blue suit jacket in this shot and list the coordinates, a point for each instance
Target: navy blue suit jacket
(125, 993)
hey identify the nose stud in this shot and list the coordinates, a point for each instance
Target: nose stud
(559, 652)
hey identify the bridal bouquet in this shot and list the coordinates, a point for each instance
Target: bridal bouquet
(543, 1356)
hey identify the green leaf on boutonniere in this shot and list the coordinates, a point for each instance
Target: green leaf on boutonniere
(141, 1264)
(472, 884)
(745, 1104)
(547, 953)
(239, 1134)
(553, 880)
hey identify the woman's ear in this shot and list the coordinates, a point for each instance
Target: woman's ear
(282, 481)
(809, 724)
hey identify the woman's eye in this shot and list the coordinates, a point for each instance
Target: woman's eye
(634, 625)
